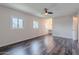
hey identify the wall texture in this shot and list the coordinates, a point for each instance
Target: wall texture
(9, 35)
(63, 27)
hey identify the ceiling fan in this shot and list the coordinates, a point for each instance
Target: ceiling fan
(47, 12)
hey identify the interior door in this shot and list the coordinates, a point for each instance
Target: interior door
(75, 28)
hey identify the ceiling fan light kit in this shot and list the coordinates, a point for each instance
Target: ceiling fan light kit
(46, 14)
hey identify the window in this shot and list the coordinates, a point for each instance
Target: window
(14, 23)
(35, 25)
(20, 23)
(17, 23)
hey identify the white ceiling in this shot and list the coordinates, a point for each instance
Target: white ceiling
(59, 9)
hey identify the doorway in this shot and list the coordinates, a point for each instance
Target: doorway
(76, 34)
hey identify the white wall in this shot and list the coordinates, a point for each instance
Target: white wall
(9, 35)
(62, 26)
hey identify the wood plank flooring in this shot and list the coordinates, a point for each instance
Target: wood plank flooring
(45, 45)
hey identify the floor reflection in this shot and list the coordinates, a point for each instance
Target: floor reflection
(49, 43)
(45, 45)
(35, 47)
(38, 46)
(17, 51)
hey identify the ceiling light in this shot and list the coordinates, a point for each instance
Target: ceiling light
(46, 14)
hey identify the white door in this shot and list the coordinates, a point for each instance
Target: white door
(75, 28)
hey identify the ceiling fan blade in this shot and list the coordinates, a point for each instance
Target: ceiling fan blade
(50, 12)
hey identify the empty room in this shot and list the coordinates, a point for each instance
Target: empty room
(39, 28)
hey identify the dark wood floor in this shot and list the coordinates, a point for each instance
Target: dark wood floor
(45, 45)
